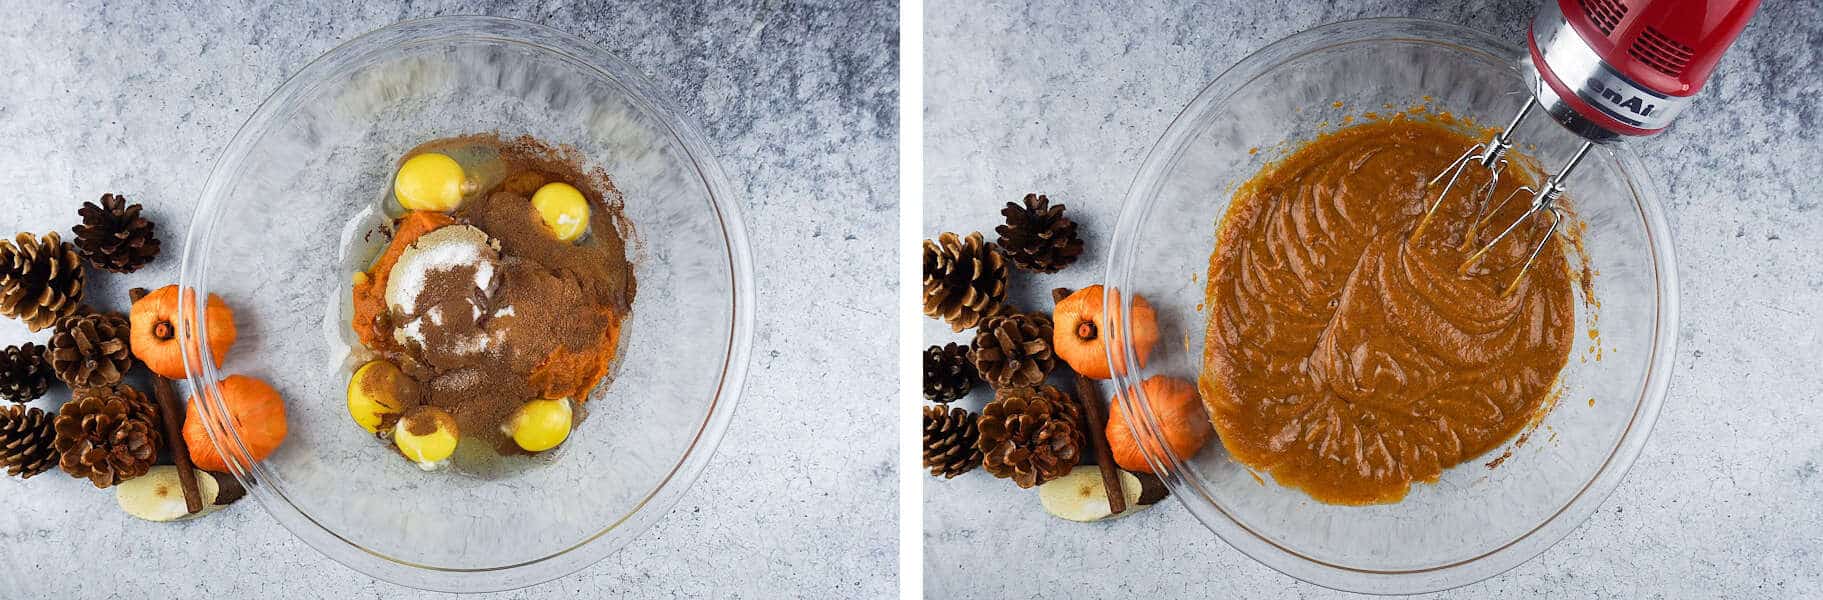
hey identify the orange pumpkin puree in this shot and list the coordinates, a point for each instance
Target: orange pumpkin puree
(370, 287)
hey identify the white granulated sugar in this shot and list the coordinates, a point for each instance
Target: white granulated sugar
(472, 345)
(436, 315)
(446, 248)
(505, 311)
(484, 275)
(411, 331)
(457, 380)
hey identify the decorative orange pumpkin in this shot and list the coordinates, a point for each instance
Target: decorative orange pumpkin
(1082, 335)
(258, 417)
(154, 336)
(1180, 413)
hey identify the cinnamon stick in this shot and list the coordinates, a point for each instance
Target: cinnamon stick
(170, 411)
(1090, 399)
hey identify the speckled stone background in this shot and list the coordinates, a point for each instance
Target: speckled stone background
(798, 99)
(1725, 501)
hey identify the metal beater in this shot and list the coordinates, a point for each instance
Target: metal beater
(1603, 69)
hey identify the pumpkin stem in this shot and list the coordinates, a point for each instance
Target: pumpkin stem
(162, 330)
(1086, 330)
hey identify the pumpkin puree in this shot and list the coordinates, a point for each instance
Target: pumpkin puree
(370, 287)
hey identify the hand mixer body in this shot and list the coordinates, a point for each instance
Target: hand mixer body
(1603, 69)
(1608, 68)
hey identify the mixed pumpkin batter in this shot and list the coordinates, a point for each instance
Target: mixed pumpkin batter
(1349, 360)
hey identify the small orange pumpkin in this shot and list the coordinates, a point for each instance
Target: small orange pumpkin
(258, 415)
(1180, 413)
(154, 335)
(1082, 335)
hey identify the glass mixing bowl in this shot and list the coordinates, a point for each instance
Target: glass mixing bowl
(279, 233)
(1476, 521)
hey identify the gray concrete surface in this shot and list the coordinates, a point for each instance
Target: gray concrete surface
(1725, 502)
(798, 99)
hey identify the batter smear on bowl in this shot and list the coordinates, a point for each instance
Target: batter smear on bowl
(497, 305)
(1348, 359)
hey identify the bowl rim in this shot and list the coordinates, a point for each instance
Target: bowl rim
(641, 92)
(1183, 482)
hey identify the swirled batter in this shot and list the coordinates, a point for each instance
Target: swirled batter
(1348, 359)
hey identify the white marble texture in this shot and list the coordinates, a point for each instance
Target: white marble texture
(798, 99)
(1066, 97)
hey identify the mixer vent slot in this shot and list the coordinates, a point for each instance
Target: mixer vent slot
(1661, 52)
(1605, 13)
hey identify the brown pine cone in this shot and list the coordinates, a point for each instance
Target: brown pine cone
(24, 375)
(949, 441)
(949, 374)
(26, 441)
(114, 237)
(107, 434)
(1014, 350)
(40, 279)
(90, 350)
(1030, 435)
(1037, 236)
(964, 279)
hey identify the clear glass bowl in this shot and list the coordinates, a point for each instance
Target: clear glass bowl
(278, 234)
(1475, 522)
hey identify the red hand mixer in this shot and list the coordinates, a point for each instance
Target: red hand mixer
(1603, 69)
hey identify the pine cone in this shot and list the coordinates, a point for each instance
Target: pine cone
(964, 279)
(948, 373)
(107, 434)
(949, 441)
(1030, 435)
(40, 279)
(24, 376)
(26, 437)
(1037, 236)
(114, 237)
(1014, 350)
(90, 350)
